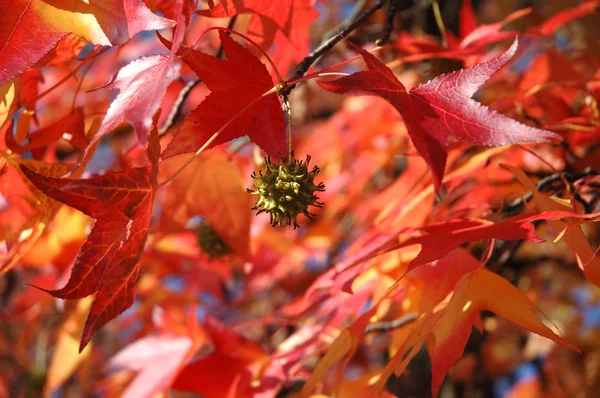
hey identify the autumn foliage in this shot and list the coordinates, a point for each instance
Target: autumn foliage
(432, 172)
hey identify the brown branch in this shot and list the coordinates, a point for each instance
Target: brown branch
(546, 184)
(386, 326)
(328, 44)
(389, 23)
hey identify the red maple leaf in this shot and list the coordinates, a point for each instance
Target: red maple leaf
(551, 25)
(291, 17)
(235, 83)
(30, 29)
(436, 240)
(486, 34)
(108, 262)
(442, 109)
(469, 46)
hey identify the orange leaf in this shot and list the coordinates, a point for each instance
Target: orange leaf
(477, 291)
(66, 357)
(213, 188)
(30, 212)
(7, 101)
(574, 236)
(343, 347)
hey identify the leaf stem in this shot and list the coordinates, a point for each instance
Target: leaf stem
(286, 106)
(440, 22)
(273, 90)
(92, 56)
(387, 326)
(389, 23)
(315, 75)
(287, 114)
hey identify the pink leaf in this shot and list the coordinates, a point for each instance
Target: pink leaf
(442, 109)
(143, 84)
(156, 358)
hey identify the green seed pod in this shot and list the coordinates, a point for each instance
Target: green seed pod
(286, 190)
(210, 242)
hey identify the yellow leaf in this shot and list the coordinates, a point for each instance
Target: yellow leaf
(66, 356)
(7, 98)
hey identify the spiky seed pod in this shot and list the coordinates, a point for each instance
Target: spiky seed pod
(286, 190)
(211, 242)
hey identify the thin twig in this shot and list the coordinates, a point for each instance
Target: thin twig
(178, 106)
(386, 326)
(440, 23)
(545, 184)
(328, 44)
(91, 57)
(389, 23)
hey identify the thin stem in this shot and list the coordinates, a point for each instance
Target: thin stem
(393, 324)
(328, 44)
(440, 22)
(287, 112)
(315, 75)
(80, 83)
(178, 106)
(287, 108)
(214, 137)
(332, 67)
(389, 23)
(90, 57)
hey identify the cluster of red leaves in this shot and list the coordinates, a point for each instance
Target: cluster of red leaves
(411, 196)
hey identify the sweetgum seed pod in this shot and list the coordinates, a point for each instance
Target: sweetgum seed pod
(286, 190)
(210, 241)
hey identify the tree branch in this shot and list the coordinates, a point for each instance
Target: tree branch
(328, 44)
(393, 324)
(545, 184)
(389, 23)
